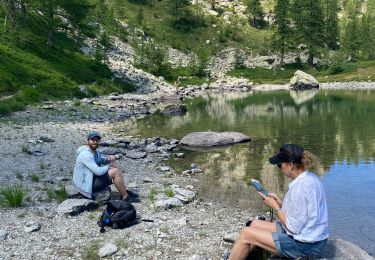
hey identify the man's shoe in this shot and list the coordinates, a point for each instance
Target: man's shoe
(132, 194)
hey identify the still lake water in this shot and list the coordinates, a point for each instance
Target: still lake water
(336, 125)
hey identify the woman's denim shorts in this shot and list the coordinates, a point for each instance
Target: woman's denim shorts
(291, 248)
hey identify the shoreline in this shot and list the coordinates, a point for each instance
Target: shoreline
(194, 231)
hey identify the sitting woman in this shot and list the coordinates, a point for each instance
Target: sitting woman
(302, 225)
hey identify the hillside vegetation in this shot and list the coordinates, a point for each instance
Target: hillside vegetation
(40, 42)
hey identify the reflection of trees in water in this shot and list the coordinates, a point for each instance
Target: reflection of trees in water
(334, 125)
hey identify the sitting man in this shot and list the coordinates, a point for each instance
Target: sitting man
(92, 172)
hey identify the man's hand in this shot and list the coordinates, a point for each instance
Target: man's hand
(111, 158)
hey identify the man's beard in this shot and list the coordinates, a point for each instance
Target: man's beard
(93, 146)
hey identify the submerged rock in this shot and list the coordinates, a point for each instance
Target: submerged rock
(209, 139)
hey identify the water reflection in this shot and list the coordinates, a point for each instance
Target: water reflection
(300, 97)
(335, 125)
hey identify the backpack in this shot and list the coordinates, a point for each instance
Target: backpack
(117, 214)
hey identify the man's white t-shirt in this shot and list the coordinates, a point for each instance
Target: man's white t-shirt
(305, 208)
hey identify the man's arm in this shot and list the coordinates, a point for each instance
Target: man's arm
(89, 162)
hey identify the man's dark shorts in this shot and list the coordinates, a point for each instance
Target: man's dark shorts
(101, 182)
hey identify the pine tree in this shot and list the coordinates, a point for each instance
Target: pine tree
(255, 10)
(367, 31)
(351, 36)
(309, 24)
(331, 24)
(282, 35)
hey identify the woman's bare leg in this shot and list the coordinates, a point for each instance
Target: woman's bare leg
(258, 234)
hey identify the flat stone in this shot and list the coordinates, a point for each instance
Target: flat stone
(107, 250)
(3, 234)
(32, 227)
(168, 203)
(76, 206)
(136, 155)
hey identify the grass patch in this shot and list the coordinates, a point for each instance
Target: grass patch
(12, 196)
(91, 251)
(152, 194)
(168, 191)
(59, 194)
(25, 148)
(34, 177)
(364, 70)
(19, 175)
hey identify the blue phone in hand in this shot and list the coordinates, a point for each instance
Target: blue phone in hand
(257, 185)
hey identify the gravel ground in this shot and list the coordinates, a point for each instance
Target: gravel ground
(194, 231)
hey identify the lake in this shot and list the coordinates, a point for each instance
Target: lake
(336, 125)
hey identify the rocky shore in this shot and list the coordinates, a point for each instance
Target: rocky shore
(38, 152)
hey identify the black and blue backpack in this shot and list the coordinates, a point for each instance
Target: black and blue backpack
(117, 214)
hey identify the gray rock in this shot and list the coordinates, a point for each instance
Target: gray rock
(72, 191)
(3, 234)
(209, 139)
(112, 151)
(76, 206)
(46, 139)
(147, 180)
(179, 155)
(136, 155)
(168, 203)
(177, 109)
(102, 196)
(344, 250)
(151, 148)
(302, 81)
(165, 168)
(197, 257)
(32, 227)
(174, 141)
(109, 143)
(187, 194)
(231, 237)
(107, 250)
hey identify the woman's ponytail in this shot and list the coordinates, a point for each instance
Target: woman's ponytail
(309, 160)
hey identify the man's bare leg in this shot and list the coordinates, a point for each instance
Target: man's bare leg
(118, 181)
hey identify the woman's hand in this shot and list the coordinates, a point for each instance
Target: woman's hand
(270, 201)
(278, 200)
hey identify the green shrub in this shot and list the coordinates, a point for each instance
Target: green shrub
(19, 175)
(12, 196)
(169, 192)
(34, 177)
(61, 194)
(25, 148)
(152, 194)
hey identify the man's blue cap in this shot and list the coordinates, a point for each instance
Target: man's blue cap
(93, 134)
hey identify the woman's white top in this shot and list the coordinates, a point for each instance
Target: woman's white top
(305, 208)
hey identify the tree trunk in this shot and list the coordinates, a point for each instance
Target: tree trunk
(10, 16)
(23, 10)
(51, 26)
(282, 57)
(310, 59)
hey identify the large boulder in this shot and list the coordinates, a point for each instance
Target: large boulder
(210, 139)
(302, 81)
